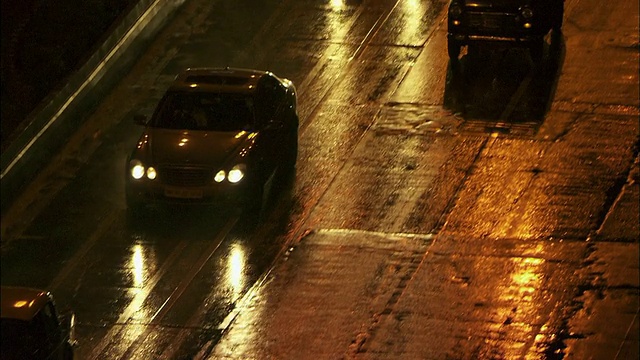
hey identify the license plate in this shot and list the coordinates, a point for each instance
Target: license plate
(183, 193)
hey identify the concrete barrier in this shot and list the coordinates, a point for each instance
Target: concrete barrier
(65, 111)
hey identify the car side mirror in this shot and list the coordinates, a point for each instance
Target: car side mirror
(140, 119)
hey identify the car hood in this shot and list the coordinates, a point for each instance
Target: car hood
(208, 148)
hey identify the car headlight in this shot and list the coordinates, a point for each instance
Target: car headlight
(220, 176)
(151, 173)
(137, 170)
(236, 173)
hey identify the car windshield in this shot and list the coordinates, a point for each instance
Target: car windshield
(204, 111)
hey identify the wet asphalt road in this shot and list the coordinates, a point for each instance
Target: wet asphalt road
(481, 210)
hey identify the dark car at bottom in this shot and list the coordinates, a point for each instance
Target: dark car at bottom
(521, 23)
(217, 136)
(31, 327)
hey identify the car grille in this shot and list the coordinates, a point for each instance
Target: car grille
(185, 176)
(490, 21)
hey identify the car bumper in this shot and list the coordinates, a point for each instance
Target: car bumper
(519, 39)
(489, 26)
(222, 194)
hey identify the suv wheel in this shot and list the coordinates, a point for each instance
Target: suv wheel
(453, 47)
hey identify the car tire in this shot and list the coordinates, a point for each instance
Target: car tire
(453, 48)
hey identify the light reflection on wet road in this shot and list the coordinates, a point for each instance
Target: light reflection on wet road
(437, 211)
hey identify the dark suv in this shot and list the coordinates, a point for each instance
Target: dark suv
(514, 22)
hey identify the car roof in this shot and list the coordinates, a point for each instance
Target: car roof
(227, 79)
(22, 303)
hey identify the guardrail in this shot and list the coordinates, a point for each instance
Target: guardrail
(49, 128)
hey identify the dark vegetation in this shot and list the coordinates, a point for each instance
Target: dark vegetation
(43, 43)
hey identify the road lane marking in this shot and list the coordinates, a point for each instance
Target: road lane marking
(375, 233)
(178, 291)
(323, 63)
(627, 336)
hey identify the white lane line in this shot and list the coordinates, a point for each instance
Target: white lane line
(627, 338)
(389, 235)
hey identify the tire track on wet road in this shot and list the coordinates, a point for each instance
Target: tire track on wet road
(114, 335)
